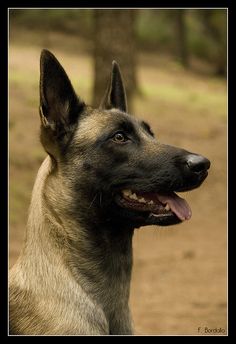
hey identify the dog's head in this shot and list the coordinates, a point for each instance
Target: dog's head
(116, 170)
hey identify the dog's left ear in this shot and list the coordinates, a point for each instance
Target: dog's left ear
(115, 96)
(59, 104)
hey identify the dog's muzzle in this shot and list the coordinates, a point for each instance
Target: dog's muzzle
(166, 208)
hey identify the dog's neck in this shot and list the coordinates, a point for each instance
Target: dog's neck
(100, 260)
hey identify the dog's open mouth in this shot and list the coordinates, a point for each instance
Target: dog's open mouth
(159, 207)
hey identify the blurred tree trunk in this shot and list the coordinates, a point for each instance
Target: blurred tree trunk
(215, 22)
(181, 37)
(114, 39)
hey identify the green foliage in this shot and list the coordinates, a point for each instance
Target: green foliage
(206, 32)
(207, 36)
(153, 30)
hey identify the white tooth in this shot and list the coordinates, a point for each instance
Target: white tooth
(133, 196)
(167, 207)
(151, 202)
(142, 200)
(126, 192)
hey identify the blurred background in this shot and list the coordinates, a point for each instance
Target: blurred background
(174, 65)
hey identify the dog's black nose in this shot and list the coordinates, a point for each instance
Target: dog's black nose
(197, 163)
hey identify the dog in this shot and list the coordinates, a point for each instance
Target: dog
(105, 174)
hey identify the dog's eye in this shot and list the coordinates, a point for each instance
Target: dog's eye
(120, 137)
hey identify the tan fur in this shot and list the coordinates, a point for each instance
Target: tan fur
(50, 291)
(60, 317)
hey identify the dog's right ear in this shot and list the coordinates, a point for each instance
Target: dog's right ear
(115, 95)
(59, 105)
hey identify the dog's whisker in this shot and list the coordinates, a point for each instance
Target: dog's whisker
(100, 194)
(92, 201)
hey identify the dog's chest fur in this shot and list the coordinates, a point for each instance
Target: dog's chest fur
(89, 297)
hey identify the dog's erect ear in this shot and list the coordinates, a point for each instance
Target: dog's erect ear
(115, 96)
(59, 105)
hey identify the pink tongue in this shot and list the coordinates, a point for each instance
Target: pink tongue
(177, 204)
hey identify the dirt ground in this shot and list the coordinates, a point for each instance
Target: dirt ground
(179, 281)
